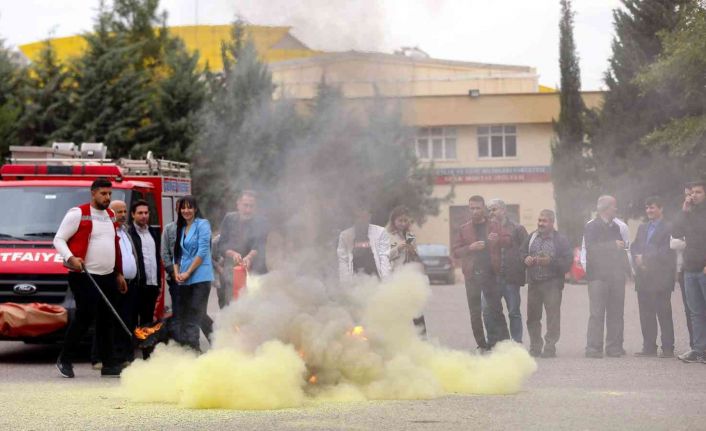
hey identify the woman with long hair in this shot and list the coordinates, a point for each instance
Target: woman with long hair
(402, 242)
(403, 248)
(193, 270)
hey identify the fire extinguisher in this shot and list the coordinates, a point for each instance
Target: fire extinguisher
(240, 278)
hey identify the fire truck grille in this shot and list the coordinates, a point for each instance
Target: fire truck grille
(50, 289)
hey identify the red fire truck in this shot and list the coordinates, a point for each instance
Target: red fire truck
(38, 186)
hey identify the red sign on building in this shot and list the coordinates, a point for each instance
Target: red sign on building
(515, 174)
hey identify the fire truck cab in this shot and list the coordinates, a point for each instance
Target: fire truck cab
(38, 187)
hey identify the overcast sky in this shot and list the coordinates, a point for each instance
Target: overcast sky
(523, 32)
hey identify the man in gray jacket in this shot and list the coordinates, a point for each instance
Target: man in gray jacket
(547, 255)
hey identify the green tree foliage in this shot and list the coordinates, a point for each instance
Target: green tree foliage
(181, 94)
(624, 167)
(569, 167)
(136, 88)
(112, 99)
(679, 78)
(12, 78)
(46, 97)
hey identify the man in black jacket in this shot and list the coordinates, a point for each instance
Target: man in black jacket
(547, 255)
(692, 226)
(607, 267)
(512, 270)
(147, 245)
(655, 270)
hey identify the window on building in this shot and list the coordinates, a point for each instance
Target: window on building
(497, 141)
(436, 143)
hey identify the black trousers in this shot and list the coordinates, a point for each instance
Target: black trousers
(206, 321)
(607, 307)
(90, 306)
(488, 286)
(656, 305)
(192, 302)
(544, 294)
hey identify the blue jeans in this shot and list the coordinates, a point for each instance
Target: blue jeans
(696, 297)
(511, 293)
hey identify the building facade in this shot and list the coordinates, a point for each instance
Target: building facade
(486, 129)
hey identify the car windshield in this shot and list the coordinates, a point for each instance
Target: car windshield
(32, 213)
(435, 250)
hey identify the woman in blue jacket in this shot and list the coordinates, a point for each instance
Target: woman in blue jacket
(193, 270)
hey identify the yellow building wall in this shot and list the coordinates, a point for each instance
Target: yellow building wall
(362, 77)
(204, 38)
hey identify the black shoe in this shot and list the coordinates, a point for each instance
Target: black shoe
(692, 356)
(113, 371)
(549, 353)
(615, 354)
(535, 353)
(594, 354)
(646, 354)
(65, 368)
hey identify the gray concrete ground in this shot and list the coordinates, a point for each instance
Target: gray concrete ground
(569, 392)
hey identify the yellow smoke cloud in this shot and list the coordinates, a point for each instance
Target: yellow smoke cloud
(293, 340)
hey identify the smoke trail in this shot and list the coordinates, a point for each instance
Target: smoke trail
(295, 340)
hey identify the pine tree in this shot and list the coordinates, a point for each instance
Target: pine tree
(624, 167)
(112, 99)
(47, 106)
(679, 76)
(240, 140)
(181, 96)
(569, 168)
(12, 79)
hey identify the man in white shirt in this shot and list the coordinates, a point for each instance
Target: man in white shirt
(126, 307)
(147, 246)
(87, 240)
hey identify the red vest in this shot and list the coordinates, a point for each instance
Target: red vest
(78, 243)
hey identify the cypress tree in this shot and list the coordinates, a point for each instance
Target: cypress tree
(569, 169)
(624, 167)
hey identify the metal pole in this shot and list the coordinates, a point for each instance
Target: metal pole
(105, 298)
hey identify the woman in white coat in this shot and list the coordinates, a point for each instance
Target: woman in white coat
(363, 248)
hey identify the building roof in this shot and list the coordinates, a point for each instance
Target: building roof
(272, 43)
(379, 57)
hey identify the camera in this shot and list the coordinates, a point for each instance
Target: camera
(409, 237)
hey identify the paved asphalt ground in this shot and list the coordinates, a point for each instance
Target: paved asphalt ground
(569, 392)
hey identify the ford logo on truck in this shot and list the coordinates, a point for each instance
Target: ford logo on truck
(25, 289)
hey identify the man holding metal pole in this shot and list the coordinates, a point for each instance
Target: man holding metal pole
(87, 240)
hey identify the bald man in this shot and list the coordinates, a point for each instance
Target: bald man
(607, 267)
(126, 303)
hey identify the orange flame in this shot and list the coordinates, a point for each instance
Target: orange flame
(143, 332)
(313, 379)
(357, 332)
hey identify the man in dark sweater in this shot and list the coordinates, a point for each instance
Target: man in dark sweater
(692, 226)
(606, 269)
(242, 242)
(548, 257)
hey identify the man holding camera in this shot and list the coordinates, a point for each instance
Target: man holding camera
(692, 226)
